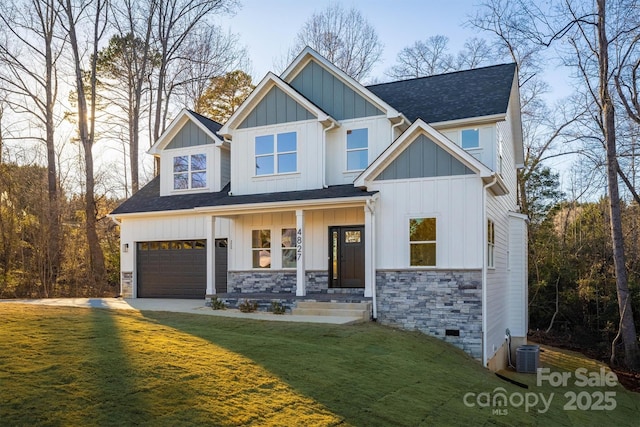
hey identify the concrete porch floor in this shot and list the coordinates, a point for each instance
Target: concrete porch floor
(193, 306)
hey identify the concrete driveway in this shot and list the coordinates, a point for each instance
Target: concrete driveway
(175, 305)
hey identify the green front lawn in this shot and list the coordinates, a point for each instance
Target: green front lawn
(73, 366)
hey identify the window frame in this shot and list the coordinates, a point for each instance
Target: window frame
(190, 171)
(491, 243)
(284, 248)
(433, 242)
(357, 149)
(275, 154)
(259, 249)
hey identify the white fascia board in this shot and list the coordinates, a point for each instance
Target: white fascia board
(308, 53)
(398, 146)
(260, 91)
(469, 121)
(518, 215)
(174, 127)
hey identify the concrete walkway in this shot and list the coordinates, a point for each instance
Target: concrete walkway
(178, 306)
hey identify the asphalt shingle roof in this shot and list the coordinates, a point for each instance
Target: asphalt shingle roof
(148, 199)
(459, 95)
(212, 125)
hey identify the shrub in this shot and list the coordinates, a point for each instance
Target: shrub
(248, 306)
(217, 304)
(277, 307)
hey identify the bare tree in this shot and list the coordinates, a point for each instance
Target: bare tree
(586, 29)
(129, 60)
(209, 54)
(28, 71)
(174, 24)
(423, 58)
(95, 11)
(342, 36)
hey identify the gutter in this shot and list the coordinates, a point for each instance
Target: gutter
(393, 127)
(484, 266)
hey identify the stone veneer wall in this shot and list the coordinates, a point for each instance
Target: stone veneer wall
(274, 281)
(433, 302)
(262, 282)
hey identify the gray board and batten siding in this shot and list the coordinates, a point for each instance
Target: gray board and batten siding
(190, 135)
(276, 107)
(423, 159)
(330, 94)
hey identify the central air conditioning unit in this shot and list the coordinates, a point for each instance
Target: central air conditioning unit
(528, 359)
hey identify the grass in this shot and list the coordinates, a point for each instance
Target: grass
(73, 366)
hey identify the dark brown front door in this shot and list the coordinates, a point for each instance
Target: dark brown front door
(346, 257)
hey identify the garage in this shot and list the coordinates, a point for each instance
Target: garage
(172, 269)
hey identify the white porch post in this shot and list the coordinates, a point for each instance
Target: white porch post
(369, 249)
(301, 289)
(210, 224)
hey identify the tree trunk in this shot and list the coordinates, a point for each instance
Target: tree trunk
(628, 330)
(96, 256)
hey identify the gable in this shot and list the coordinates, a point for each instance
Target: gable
(190, 135)
(423, 158)
(276, 107)
(329, 93)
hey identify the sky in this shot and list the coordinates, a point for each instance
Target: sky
(268, 27)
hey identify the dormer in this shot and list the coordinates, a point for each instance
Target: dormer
(193, 158)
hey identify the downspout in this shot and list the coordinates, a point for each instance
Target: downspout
(324, 154)
(393, 127)
(371, 208)
(484, 267)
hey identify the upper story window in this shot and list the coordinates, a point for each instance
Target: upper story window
(470, 138)
(276, 154)
(190, 171)
(422, 242)
(357, 149)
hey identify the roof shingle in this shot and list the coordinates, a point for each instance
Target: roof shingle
(444, 97)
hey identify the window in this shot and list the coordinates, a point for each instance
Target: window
(491, 243)
(190, 171)
(276, 154)
(261, 248)
(288, 248)
(357, 149)
(470, 138)
(422, 241)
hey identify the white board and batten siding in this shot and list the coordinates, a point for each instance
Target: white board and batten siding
(317, 223)
(161, 228)
(379, 138)
(309, 152)
(518, 299)
(458, 219)
(500, 304)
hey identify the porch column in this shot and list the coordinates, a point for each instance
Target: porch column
(210, 226)
(369, 249)
(301, 289)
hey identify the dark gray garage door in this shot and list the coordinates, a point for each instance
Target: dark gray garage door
(172, 269)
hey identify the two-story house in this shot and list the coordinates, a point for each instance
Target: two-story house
(401, 193)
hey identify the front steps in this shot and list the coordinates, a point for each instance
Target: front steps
(360, 311)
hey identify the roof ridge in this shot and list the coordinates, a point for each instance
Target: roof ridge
(204, 117)
(443, 74)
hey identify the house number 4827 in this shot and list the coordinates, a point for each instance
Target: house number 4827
(299, 244)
